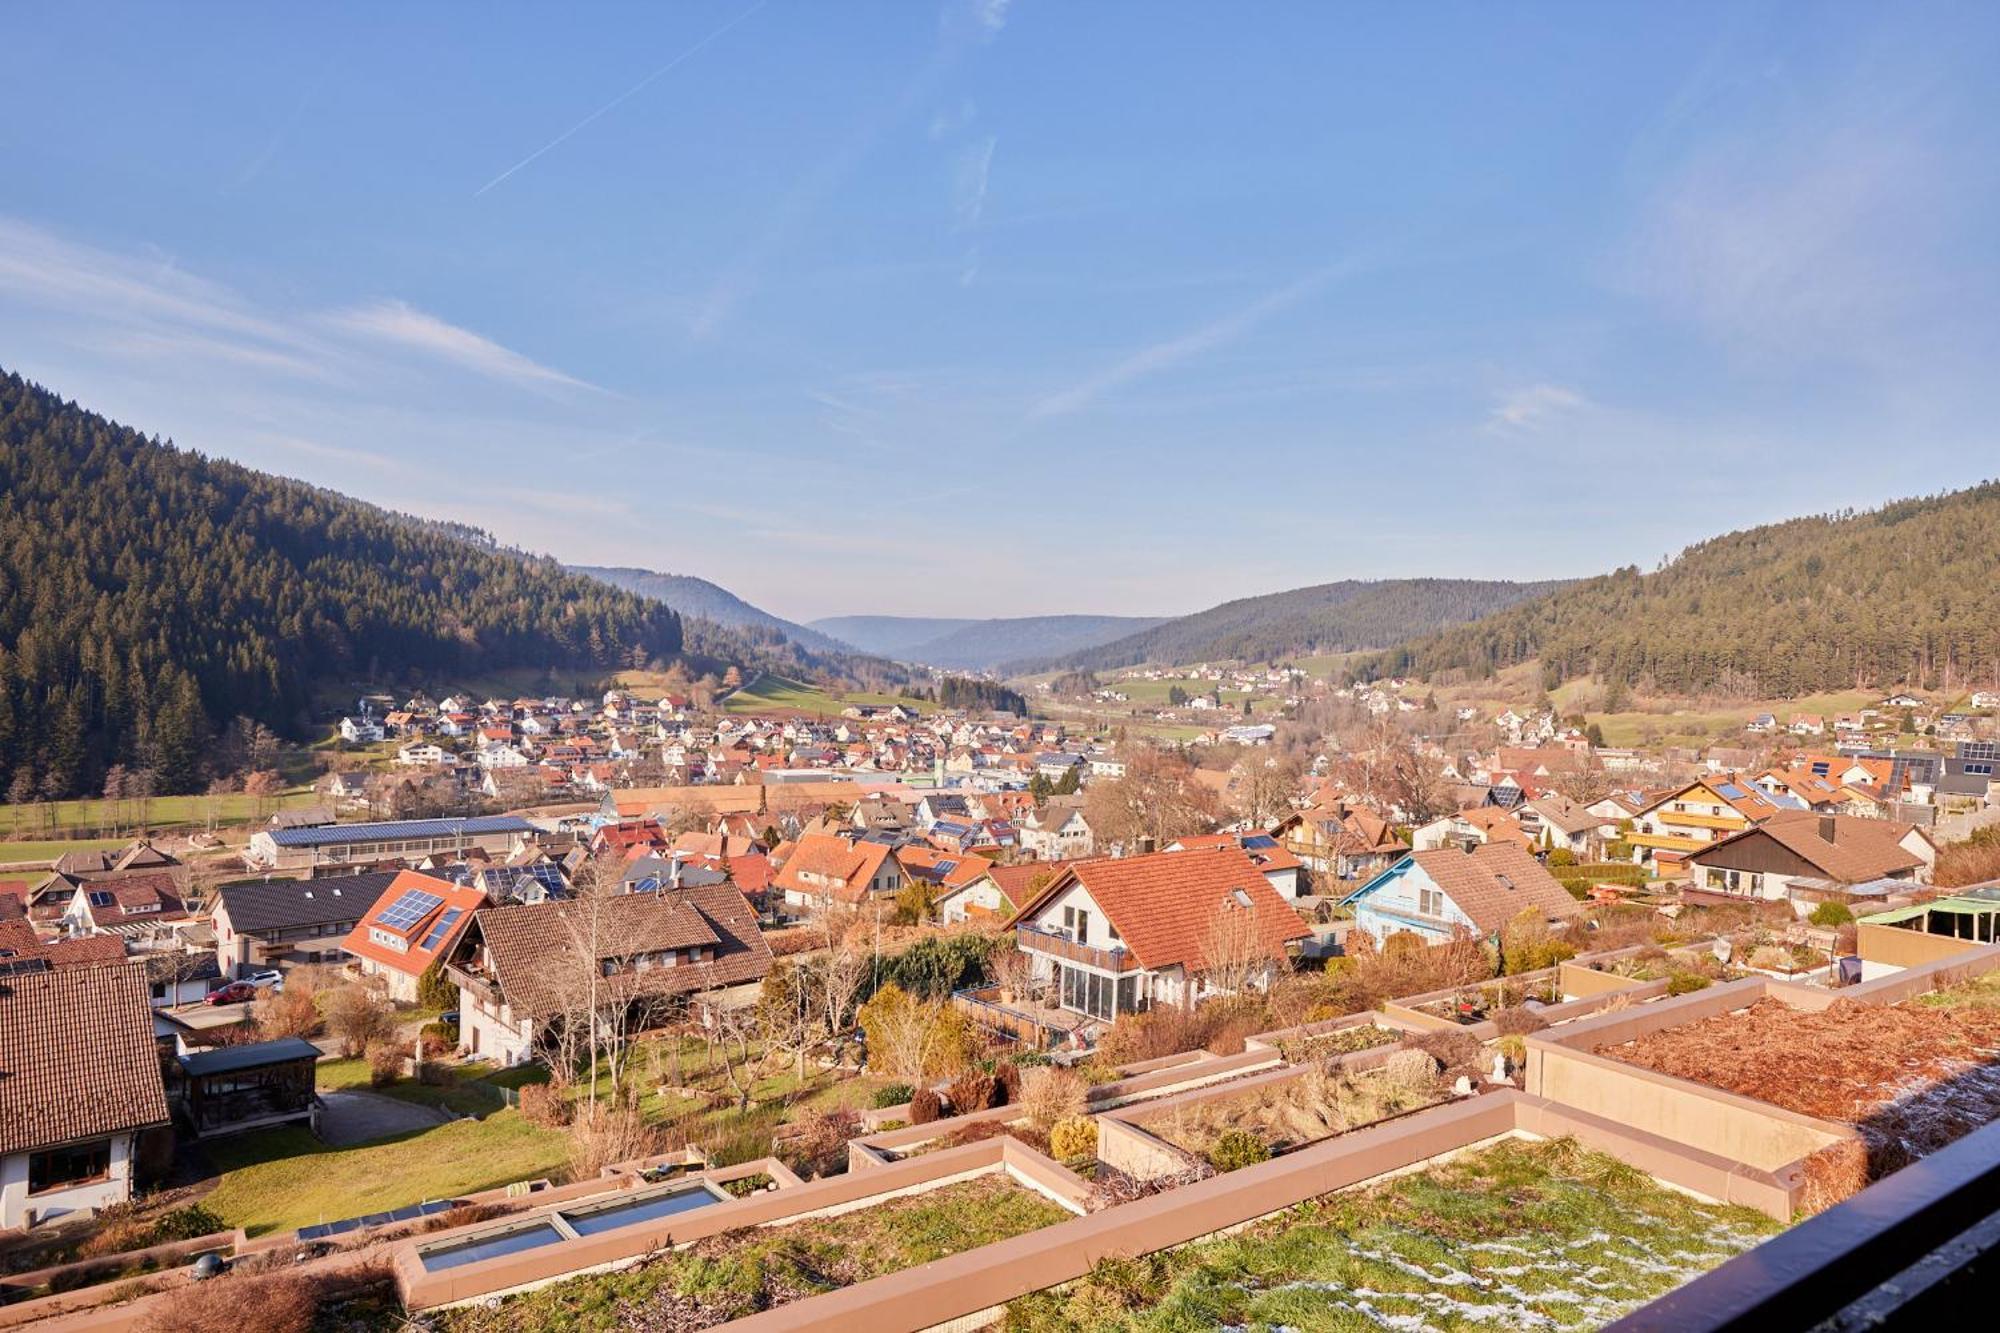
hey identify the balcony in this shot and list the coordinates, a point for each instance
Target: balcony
(1048, 942)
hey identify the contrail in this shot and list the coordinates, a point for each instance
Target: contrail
(633, 91)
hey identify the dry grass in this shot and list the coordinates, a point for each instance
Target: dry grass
(1290, 1113)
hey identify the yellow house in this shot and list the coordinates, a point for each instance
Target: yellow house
(1690, 818)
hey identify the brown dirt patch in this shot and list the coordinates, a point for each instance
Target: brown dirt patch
(1911, 1078)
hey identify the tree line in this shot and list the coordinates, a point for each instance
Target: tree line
(1906, 593)
(149, 594)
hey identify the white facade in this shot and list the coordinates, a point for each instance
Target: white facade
(20, 1208)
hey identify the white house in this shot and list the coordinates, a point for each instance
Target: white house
(360, 730)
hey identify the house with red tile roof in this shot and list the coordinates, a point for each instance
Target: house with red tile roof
(1284, 870)
(417, 921)
(825, 870)
(138, 898)
(1121, 934)
(79, 1084)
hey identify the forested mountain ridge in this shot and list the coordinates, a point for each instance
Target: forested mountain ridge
(149, 594)
(981, 645)
(1302, 622)
(1905, 594)
(693, 596)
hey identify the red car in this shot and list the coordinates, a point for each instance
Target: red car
(233, 993)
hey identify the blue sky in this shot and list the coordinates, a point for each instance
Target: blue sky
(1007, 308)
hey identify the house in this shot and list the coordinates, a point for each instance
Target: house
(1690, 817)
(823, 870)
(1554, 821)
(422, 754)
(80, 1089)
(360, 730)
(1469, 828)
(1799, 850)
(1119, 935)
(1282, 871)
(1057, 831)
(416, 922)
(995, 893)
(1341, 840)
(1440, 893)
(175, 977)
(287, 923)
(1763, 724)
(518, 968)
(94, 862)
(126, 901)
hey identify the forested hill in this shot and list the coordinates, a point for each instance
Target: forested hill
(693, 596)
(1905, 594)
(148, 595)
(981, 645)
(1328, 618)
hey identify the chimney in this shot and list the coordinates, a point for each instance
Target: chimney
(1826, 827)
(1146, 846)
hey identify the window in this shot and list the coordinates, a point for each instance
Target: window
(60, 1168)
(1430, 902)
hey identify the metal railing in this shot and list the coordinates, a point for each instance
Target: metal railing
(1061, 946)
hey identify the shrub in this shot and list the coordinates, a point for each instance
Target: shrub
(1686, 983)
(1561, 857)
(912, 1038)
(439, 1036)
(1072, 1137)
(820, 1148)
(892, 1094)
(291, 1012)
(1455, 1052)
(464, 1215)
(543, 1105)
(186, 1223)
(924, 1106)
(971, 1092)
(1052, 1095)
(358, 1016)
(1412, 1069)
(278, 1303)
(1515, 1047)
(1234, 1148)
(435, 990)
(1007, 1083)
(385, 1063)
(1831, 914)
(1518, 1020)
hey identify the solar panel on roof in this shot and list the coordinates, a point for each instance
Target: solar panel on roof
(1731, 790)
(443, 926)
(410, 908)
(1260, 840)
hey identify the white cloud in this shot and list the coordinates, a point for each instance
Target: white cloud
(404, 325)
(1153, 359)
(991, 14)
(1532, 406)
(973, 171)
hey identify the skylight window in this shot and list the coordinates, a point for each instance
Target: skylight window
(442, 928)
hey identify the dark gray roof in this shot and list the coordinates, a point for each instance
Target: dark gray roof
(336, 834)
(250, 1055)
(283, 904)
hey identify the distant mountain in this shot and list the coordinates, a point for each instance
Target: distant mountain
(888, 635)
(693, 596)
(1304, 622)
(1905, 594)
(980, 645)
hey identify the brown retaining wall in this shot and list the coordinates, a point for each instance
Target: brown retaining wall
(1894, 946)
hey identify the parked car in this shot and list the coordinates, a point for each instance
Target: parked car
(271, 978)
(234, 993)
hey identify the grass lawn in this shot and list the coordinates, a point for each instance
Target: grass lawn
(740, 1273)
(95, 817)
(279, 1179)
(469, 1092)
(1519, 1235)
(776, 694)
(49, 851)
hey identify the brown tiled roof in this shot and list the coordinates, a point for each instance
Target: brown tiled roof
(1165, 904)
(462, 898)
(1862, 849)
(831, 857)
(77, 1056)
(135, 897)
(534, 951)
(1495, 882)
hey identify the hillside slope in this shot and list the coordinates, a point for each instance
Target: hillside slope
(1303, 622)
(148, 595)
(1908, 593)
(888, 635)
(693, 596)
(982, 645)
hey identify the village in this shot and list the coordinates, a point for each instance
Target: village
(475, 1021)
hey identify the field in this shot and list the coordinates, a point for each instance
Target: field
(25, 853)
(776, 694)
(97, 820)
(742, 1272)
(1519, 1235)
(279, 1179)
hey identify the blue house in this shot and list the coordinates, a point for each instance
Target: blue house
(1438, 894)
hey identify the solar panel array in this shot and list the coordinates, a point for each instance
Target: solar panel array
(442, 928)
(409, 909)
(347, 1224)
